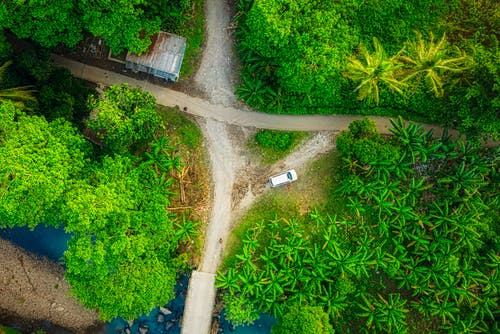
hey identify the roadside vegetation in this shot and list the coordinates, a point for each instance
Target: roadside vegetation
(123, 24)
(434, 61)
(272, 145)
(408, 242)
(193, 29)
(109, 179)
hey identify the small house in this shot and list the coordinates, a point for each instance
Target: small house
(163, 58)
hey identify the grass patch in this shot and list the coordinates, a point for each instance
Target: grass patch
(182, 128)
(272, 145)
(193, 31)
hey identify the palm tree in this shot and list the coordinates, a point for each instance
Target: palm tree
(432, 60)
(371, 70)
(18, 95)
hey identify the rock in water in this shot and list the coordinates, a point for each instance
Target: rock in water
(169, 325)
(165, 310)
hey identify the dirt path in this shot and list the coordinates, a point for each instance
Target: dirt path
(215, 75)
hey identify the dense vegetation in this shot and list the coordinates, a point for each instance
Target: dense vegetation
(273, 145)
(123, 257)
(426, 60)
(123, 24)
(415, 248)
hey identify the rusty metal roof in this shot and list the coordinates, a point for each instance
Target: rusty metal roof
(164, 54)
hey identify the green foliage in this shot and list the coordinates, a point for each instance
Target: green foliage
(418, 243)
(193, 31)
(18, 95)
(277, 140)
(47, 22)
(372, 70)
(386, 314)
(60, 95)
(300, 57)
(431, 61)
(122, 23)
(123, 257)
(38, 163)
(238, 310)
(363, 144)
(188, 133)
(125, 119)
(303, 319)
(8, 330)
(120, 258)
(5, 47)
(275, 145)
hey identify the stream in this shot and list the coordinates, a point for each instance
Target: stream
(52, 242)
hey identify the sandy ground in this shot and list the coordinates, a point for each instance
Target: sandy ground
(34, 287)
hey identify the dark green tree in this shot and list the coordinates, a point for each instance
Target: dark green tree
(121, 257)
(126, 118)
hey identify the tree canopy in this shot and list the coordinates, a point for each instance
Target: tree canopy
(120, 258)
(39, 161)
(125, 119)
(122, 24)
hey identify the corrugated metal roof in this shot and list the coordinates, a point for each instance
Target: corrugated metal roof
(165, 54)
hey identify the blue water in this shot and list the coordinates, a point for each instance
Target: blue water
(46, 241)
(52, 242)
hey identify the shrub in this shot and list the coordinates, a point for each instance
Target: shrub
(276, 140)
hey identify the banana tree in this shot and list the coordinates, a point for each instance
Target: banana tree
(384, 314)
(228, 280)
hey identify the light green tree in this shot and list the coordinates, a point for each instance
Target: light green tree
(370, 71)
(38, 163)
(121, 257)
(303, 319)
(433, 62)
(126, 118)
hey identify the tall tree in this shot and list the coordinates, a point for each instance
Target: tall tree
(126, 118)
(38, 163)
(371, 70)
(121, 257)
(433, 61)
(122, 24)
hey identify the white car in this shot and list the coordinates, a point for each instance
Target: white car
(283, 178)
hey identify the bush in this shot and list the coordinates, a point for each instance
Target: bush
(276, 140)
(303, 319)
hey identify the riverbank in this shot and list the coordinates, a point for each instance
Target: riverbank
(34, 289)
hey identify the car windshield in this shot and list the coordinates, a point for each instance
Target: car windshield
(289, 175)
